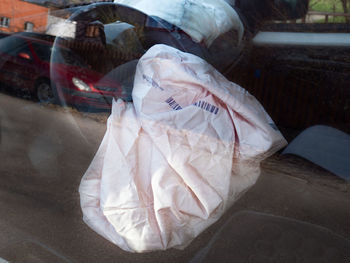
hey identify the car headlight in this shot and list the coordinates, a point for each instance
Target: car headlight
(80, 84)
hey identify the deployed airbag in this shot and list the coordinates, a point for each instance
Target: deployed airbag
(173, 161)
(203, 20)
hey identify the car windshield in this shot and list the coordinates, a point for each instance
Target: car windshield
(174, 131)
(12, 45)
(68, 57)
(63, 55)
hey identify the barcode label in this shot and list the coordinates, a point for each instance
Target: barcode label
(173, 104)
(207, 106)
(152, 82)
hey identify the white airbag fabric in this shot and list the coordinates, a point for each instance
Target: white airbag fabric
(203, 20)
(175, 160)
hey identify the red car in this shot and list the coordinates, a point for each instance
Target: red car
(26, 63)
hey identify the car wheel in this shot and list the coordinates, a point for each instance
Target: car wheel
(45, 92)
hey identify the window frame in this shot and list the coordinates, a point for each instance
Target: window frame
(5, 21)
(26, 26)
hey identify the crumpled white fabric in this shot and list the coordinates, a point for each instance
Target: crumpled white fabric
(173, 161)
(203, 20)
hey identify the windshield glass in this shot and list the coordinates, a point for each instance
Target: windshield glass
(44, 51)
(12, 45)
(66, 56)
(174, 131)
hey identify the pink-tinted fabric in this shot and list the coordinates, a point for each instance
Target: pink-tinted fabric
(173, 161)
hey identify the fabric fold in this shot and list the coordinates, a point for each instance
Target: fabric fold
(173, 161)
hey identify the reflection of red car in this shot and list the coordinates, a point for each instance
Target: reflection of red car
(25, 63)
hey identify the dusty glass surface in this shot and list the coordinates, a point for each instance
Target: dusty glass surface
(62, 63)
